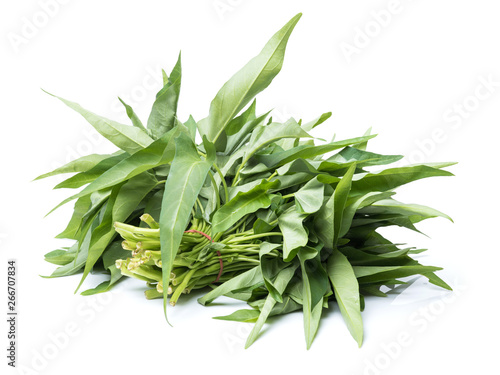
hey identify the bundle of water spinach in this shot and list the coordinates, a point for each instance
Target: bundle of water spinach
(241, 205)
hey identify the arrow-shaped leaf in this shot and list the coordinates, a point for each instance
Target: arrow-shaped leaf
(254, 77)
(185, 180)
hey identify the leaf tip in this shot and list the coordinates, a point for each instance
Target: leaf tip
(249, 343)
(45, 91)
(81, 282)
(165, 296)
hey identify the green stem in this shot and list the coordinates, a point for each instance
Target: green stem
(236, 178)
(223, 180)
(200, 205)
(271, 176)
(153, 294)
(181, 287)
(217, 202)
(255, 236)
(147, 272)
(160, 182)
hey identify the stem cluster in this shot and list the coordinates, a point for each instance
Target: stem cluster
(200, 261)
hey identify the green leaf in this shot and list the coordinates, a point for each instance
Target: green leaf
(262, 136)
(309, 198)
(362, 145)
(82, 218)
(237, 130)
(248, 82)
(294, 233)
(244, 316)
(356, 204)
(164, 77)
(267, 247)
(59, 257)
(164, 112)
(185, 180)
(391, 178)
(328, 220)
(123, 201)
(432, 277)
(362, 158)
(339, 201)
(133, 116)
(246, 279)
(280, 284)
(153, 206)
(303, 166)
(82, 164)
(346, 289)
(236, 140)
(88, 176)
(159, 152)
(292, 180)
(233, 191)
(358, 257)
(75, 266)
(265, 135)
(271, 266)
(372, 274)
(191, 125)
(109, 257)
(102, 287)
(315, 286)
(288, 305)
(82, 206)
(129, 139)
(323, 222)
(312, 124)
(415, 212)
(236, 125)
(305, 152)
(242, 204)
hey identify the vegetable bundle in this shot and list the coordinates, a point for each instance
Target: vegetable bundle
(252, 208)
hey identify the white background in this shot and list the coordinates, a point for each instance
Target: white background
(416, 67)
